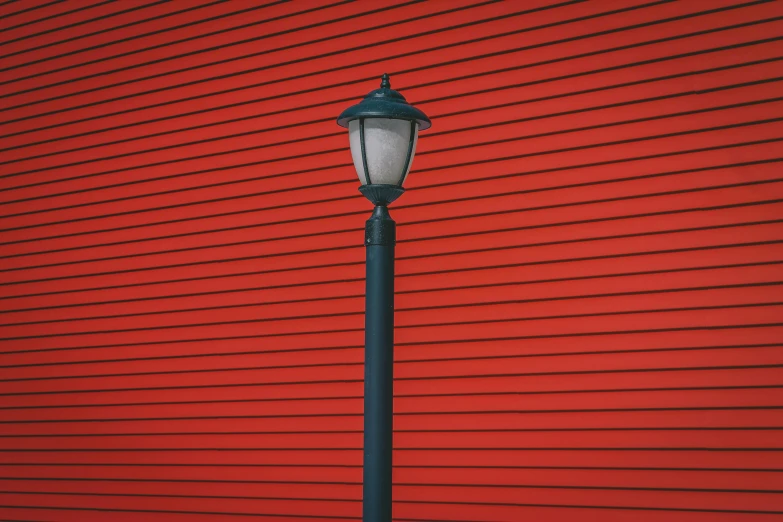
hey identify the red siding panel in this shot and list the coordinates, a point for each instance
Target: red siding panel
(590, 260)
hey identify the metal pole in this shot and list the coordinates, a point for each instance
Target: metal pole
(378, 366)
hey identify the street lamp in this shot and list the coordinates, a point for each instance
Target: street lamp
(383, 129)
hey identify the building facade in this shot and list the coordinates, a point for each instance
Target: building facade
(588, 278)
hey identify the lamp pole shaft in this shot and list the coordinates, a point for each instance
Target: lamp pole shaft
(378, 367)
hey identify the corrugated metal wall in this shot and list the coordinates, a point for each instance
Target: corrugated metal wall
(589, 267)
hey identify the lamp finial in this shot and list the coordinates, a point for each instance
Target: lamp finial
(385, 84)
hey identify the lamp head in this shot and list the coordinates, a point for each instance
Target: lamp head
(383, 130)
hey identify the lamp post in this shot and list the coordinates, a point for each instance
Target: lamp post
(383, 130)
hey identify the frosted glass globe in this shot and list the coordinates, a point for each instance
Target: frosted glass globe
(386, 145)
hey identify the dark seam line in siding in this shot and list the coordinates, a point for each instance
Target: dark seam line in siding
(577, 372)
(332, 281)
(456, 165)
(615, 105)
(397, 483)
(22, 11)
(359, 397)
(431, 238)
(430, 135)
(468, 466)
(219, 47)
(261, 465)
(175, 176)
(458, 430)
(401, 466)
(425, 221)
(399, 309)
(182, 40)
(397, 361)
(606, 219)
(290, 465)
(433, 290)
(403, 413)
(357, 347)
(186, 481)
(359, 363)
(424, 484)
(402, 396)
(127, 39)
(344, 517)
(398, 326)
(442, 115)
(182, 512)
(482, 232)
(546, 62)
(613, 508)
(416, 274)
(452, 62)
(469, 376)
(731, 7)
(620, 142)
(341, 198)
(193, 112)
(152, 495)
(505, 338)
(618, 488)
(355, 431)
(27, 519)
(482, 91)
(420, 448)
(152, 4)
(546, 152)
(428, 221)
(423, 153)
(462, 147)
(243, 337)
(345, 431)
(408, 396)
(420, 256)
(81, 22)
(50, 17)
(235, 28)
(408, 206)
(358, 483)
(398, 292)
(257, 69)
(625, 84)
(211, 513)
(305, 349)
(354, 363)
(250, 164)
(603, 163)
(59, 180)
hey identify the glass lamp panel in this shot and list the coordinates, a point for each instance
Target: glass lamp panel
(354, 135)
(413, 152)
(386, 144)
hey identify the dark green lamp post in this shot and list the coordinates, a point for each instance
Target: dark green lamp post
(383, 129)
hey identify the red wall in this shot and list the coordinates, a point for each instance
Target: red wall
(589, 305)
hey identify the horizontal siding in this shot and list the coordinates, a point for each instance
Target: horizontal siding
(589, 314)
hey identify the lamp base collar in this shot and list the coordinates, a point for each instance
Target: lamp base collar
(381, 195)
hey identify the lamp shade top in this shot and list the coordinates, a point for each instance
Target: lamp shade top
(384, 102)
